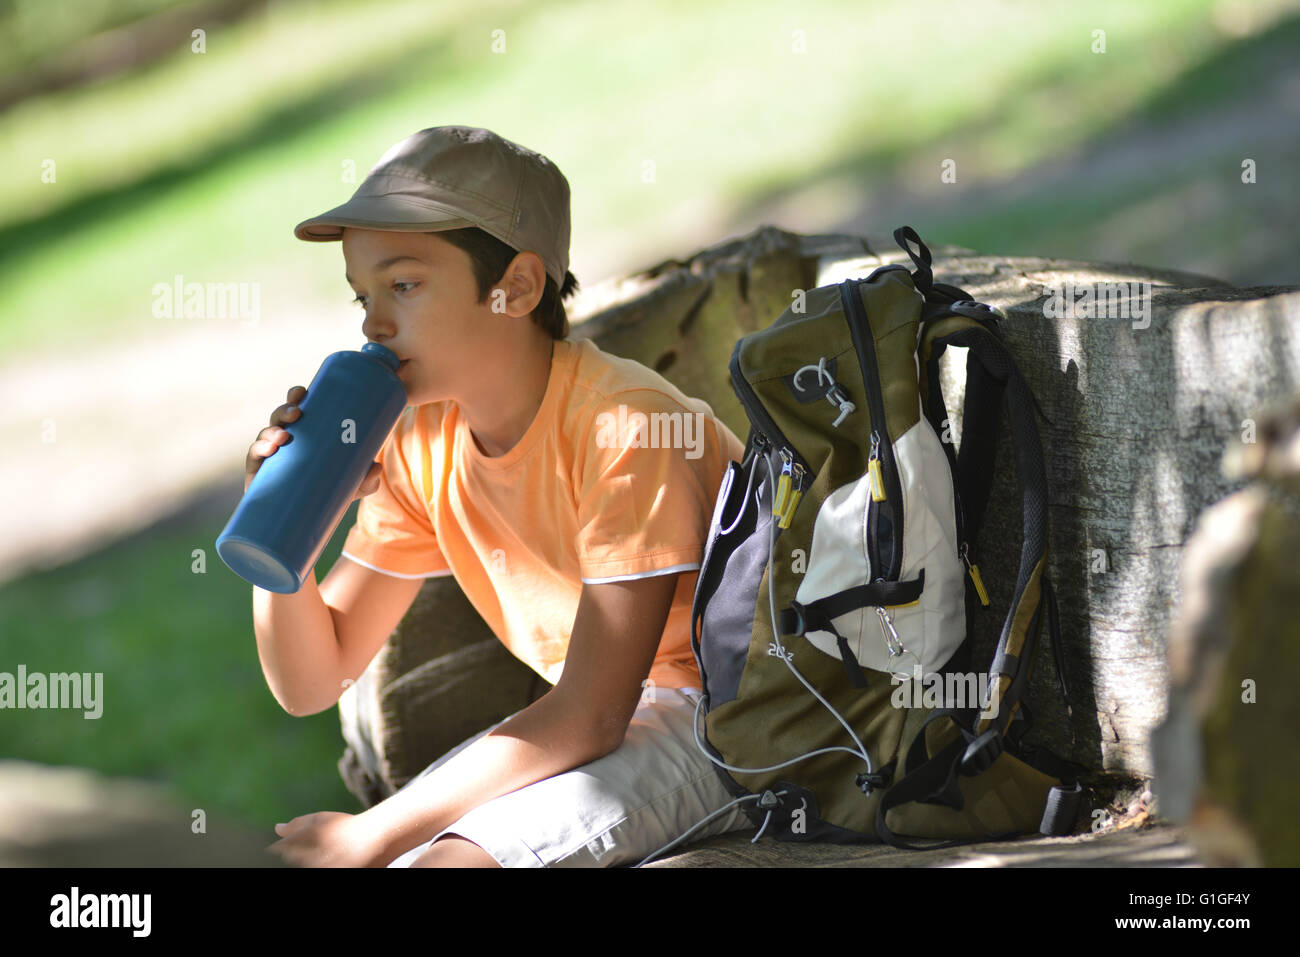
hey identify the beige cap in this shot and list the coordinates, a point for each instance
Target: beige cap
(453, 177)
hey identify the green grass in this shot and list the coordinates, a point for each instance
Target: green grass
(31, 30)
(184, 702)
(200, 165)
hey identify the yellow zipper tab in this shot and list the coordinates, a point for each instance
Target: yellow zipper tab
(789, 511)
(975, 576)
(782, 485)
(979, 585)
(875, 477)
(877, 481)
(797, 493)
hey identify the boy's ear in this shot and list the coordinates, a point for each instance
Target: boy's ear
(524, 282)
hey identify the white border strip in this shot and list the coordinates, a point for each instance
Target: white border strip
(653, 574)
(376, 568)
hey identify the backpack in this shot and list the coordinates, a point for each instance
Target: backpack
(832, 611)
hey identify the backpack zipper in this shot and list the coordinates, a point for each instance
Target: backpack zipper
(795, 469)
(763, 422)
(884, 468)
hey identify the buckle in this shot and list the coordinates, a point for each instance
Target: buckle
(971, 308)
(876, 779)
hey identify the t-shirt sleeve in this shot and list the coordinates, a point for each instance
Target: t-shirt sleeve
(648, 480)
(392, 533)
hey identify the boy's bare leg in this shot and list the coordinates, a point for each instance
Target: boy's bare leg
(455, 851)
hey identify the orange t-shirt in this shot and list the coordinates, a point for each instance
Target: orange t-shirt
(614, 479)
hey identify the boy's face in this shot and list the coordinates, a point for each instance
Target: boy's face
(424, 308)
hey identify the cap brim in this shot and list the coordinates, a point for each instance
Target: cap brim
(379, 212)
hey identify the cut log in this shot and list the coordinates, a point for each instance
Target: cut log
(1139, 410)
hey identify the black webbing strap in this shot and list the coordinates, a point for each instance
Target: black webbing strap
(980, 417)
(936, 410)
(991, 373)
(1048, 763)
(975, 461)
(934, 781)
(817, 616)
(923, 277)
(1060, 812)
(798, 618)
(857, 677)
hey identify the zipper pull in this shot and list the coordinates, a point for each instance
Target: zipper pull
(876, 477)
(974, 575)
(783, 484)
(797, 493)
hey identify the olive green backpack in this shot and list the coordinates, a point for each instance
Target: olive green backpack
(832, 609)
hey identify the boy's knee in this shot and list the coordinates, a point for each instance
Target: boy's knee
(455, 851)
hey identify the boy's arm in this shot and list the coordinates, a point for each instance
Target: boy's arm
(615, 636)
(310, 641)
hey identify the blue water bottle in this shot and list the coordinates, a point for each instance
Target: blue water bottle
(298, 494)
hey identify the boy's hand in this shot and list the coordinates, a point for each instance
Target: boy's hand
(273, 436)
(327, 839)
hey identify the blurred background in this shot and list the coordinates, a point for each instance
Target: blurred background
(151, 144)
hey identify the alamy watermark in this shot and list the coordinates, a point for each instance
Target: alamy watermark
(57, 690)
(179, 299)
(954, 689)
(1100, 300)
(77, 909)
(658, 430)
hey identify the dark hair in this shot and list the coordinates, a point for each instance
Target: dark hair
(489, 258)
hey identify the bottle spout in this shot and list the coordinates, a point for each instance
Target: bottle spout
(384, 354)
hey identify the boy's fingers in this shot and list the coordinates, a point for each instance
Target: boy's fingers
(289, 411)
(267, 441)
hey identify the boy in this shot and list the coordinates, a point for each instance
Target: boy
(570, 493)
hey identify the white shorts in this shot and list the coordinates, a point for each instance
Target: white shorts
(613, 811)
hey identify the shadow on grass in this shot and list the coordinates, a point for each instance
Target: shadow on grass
(184, 702)
(1165, 155)
(23, 237)
(113, 48)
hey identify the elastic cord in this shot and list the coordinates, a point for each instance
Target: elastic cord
(861, 750)
(700, 823)
(785, 656)
(744, 503)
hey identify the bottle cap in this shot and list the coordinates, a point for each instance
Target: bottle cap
(385, 355)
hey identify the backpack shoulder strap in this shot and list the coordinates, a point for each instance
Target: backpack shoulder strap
(991, 376)
(951, 318)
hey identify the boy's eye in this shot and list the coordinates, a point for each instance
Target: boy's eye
(361, 300)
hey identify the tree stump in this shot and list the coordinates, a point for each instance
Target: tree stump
(1138, 414)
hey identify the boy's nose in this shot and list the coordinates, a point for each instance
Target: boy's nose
(376, 326)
